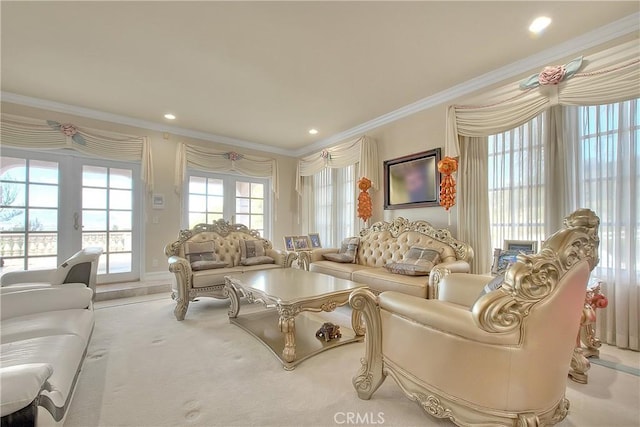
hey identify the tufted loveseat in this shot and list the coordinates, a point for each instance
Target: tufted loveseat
(225, 240)
(387, 242)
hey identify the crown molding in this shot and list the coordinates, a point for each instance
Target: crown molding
(586, 41)
(581, 43)
(130, 121)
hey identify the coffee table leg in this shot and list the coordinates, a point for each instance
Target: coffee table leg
(356, 322)
(234, 306)
(288, 328)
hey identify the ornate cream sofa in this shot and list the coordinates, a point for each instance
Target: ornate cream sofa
(226, 239)
(486, 357)
(386, 242)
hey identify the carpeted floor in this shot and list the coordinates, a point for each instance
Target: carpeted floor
(144, 368)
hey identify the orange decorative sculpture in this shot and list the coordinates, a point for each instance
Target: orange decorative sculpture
(447, 166)
(364, 199)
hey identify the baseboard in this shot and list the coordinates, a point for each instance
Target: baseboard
(157, 275)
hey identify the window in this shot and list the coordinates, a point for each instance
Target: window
(608, 172)
(334, 204)
(54, 204)
(28, 213)
(517, 183)
(240, 200)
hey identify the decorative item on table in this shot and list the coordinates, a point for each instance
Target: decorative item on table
(301, 243)
(328, 332)
(364, 199)
(288, 243)
(315, 240)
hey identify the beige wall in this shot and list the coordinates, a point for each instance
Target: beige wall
(420, 132)
(156, 235)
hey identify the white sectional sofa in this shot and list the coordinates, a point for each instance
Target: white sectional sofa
(44, 337)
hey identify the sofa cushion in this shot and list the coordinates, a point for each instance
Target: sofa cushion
(21, 384)
(63, 352)
(73, 322)
(417, 261)
(381, 280)
(342, 271)
(494, 284)
(205, 278)
(207, 265)
(258, 267)
(258, 260)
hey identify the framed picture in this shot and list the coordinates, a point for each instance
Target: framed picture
(412, 181)
(315, 240)
(288, 243)
(526, 246)
(301, 243)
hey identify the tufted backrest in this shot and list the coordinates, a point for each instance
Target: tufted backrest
(380, 248)
(225, 237)
(386, 242)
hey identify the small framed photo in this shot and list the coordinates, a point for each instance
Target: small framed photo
(301, 243)
(288, 243)
(315, 240)
(526, 246)
(157, 201)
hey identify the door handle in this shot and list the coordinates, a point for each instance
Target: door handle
(76, 220)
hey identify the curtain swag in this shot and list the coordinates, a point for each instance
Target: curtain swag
(23, 132)
(363, 151)
(612, 75)
(206, 159)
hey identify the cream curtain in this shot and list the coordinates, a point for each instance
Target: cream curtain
(207, 159)
(612, 75)
(603, 153)
(473, 210)
(23, 132)
(363, 151)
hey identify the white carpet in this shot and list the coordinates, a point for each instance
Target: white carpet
(144, 368)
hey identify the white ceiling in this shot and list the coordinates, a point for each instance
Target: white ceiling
(267, 72)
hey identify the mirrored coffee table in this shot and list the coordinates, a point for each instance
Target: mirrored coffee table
(286, 293)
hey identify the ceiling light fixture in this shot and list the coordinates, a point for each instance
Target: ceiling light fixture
(539, 24)
(313, 131)
(169, 116)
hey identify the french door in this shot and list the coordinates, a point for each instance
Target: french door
(238, 199)
(53, 205)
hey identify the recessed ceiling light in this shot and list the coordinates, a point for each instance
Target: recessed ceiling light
(539, 24)
(169, 116)
(313, 131)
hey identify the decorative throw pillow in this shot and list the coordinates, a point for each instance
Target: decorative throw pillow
(200, 253)
(407, 269)
(422, 256)
(343, 258)
(251, 249)
(258, 260)
(502, 260)
(207, 265)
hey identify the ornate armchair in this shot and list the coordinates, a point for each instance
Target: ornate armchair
(499, 358)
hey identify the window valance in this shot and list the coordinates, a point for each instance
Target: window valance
(28, 133)
(207, 159)
(363, 151)
(612, 75)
